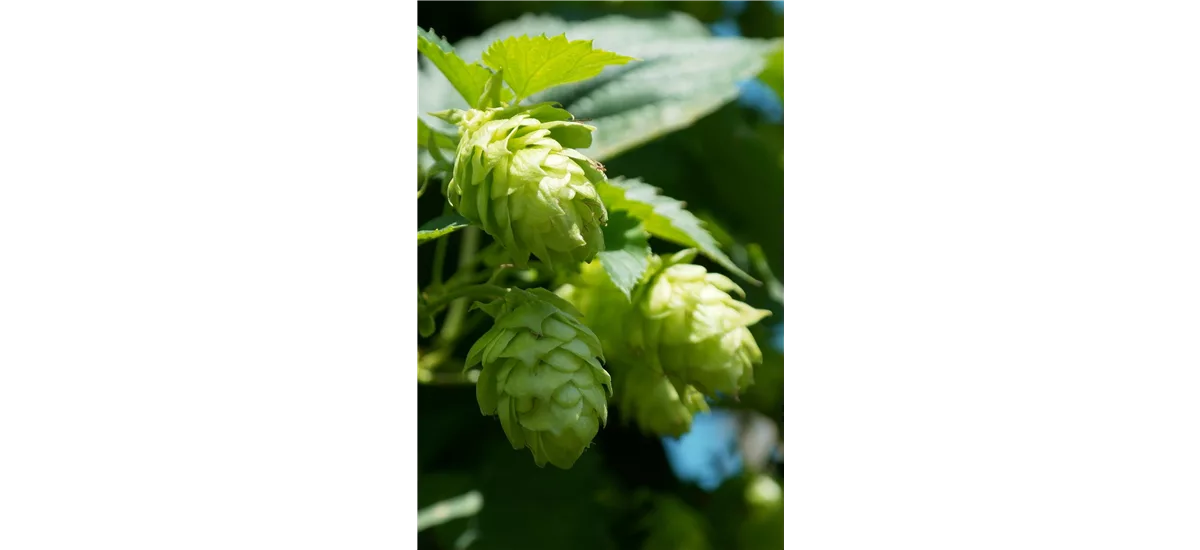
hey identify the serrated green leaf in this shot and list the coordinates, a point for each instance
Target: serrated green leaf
(772, 74)
(684, 74)
(440, 227)
(665, 218)
(442, 140)
(728, 165)
(626, 253)
(533, 64)
(468, 79)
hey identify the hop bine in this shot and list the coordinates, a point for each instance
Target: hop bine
(542, 376)
(518, 175)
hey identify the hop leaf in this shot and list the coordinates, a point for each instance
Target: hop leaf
(686, 324)
(542, 376)
(517, 175)
(532, 64)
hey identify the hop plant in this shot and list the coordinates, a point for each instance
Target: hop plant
(673, 330)
(687, 325)
(517, 174)
(542, 376)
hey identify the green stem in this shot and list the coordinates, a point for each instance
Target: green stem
(439, 255)
(498, 275)
(466, 274)
(435, 151)
(452, 325)
(424, 184)
(461, 295)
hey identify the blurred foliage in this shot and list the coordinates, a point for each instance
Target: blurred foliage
(747, 512)
(725, 161)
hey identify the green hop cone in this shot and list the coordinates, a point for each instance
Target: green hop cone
(648, 397)
(518, 175)
(687, 325)
(658, 404)
(542, 376)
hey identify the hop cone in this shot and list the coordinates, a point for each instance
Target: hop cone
(647, 396)
(658, 404)
(542, 376)
(687, 325)
(517, 174)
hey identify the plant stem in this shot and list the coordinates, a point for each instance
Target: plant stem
(423, 184)
(452, 325)
(499, 274)
(460, 295)
(469, 276)
(439, 255)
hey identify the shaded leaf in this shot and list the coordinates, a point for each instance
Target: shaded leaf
(626, 253)
(533, 64)
(678, 82)
(665, 218)
(441, 139)
(759, 261)
(727, 166)
(440, 226)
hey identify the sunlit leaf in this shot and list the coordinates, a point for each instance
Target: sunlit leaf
(534, 63)
(468, 79)
(440, 227)
(665, 218)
